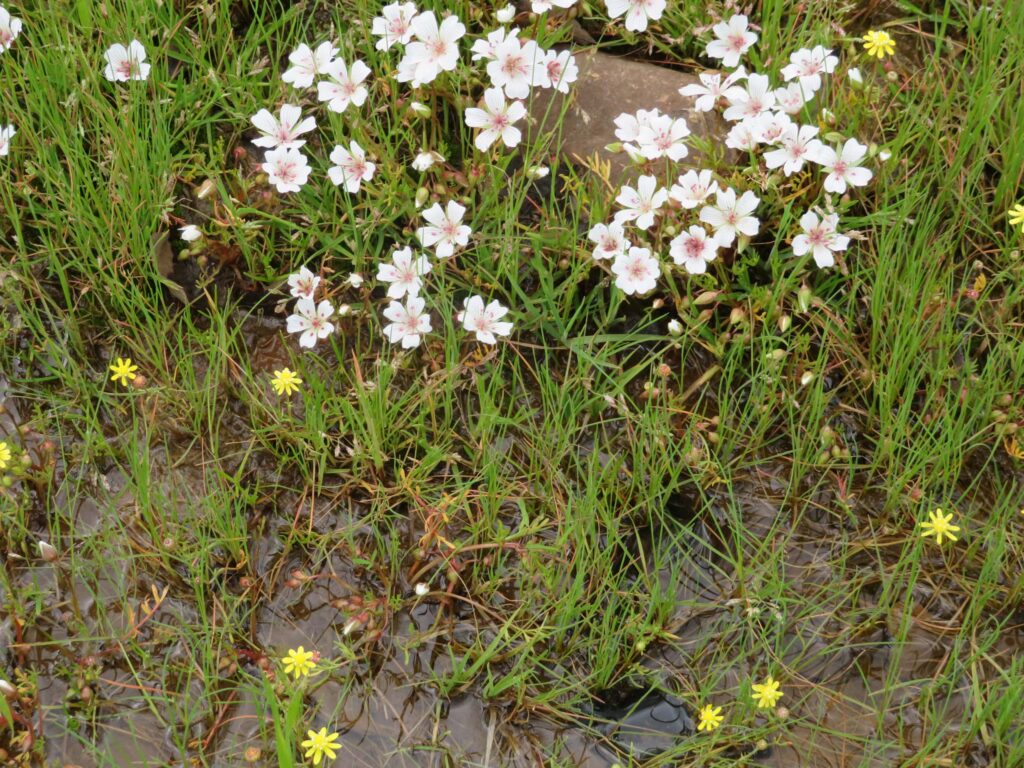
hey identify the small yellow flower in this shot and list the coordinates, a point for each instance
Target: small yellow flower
(1011, 444)
(321, 744)
(766, 694)
(1016, 216)
(878, 43)
(938, 525)
(299, 662)
(123, 370)
(285, 382)
(5, 454)
(710, 717)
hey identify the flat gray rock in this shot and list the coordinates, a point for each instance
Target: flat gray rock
(606, 87)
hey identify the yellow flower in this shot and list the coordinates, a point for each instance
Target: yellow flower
(1011, 444)
(285, 382)
(878, 43)
(299, 662)
(938, 525)
(1016, 216)
(766, 694)
(123, 370)
(5, 454)
(321, 744)
(710, 717)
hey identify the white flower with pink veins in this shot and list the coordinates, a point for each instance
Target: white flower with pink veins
(307, 64)
(712, 88)
(282, 132)
(664, 136)
(637, 12)
(693, 188)
(752, 101)
(642, 203)
(693, 250)
(303, 284)
(394, 25)
(609, 240)
(404, 274)
(637, 271)
(286, 169)
(343, 85)
(10, 28)
(730, 216)
(732, 40)
(843, 167)
(126, 63)
(350, 168)
(808, 65)
(820, 238)
(484, 321)
(446, 230)
(797, 145)
(516, 67)
(409, 322)
(311, 321)
(434, 50)
(496, 119)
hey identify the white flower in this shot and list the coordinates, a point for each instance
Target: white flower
(798, 146)
(663, 136)
(422, 588)
(729, 215)
(303, 284)
(712, 88)
(10, 28)
(693, 250)
(311, 320)
(637, 12)
(774, 126)
(404, 273)
(435, 49)
(808, 64)
(642, 204)
(496, 119)
(6, 133)
(408, 322)
(558, 71)
(609, 240)
(844, 167)
(746, 134)
(446, 229)
(394, 25)
(283, 132)
(516, 66)
(425, 160)
(751, 101)
(350, 168)
(820, 238)
(733, 40)
(636, 271)
(484, 47)
(693, 188)
(791, 99)
(628, 127)
(506, 14)
(484, 321)
(286, 169)
(307, 64)
(190, 233)
(124, 64)
(344, 85)
(543, 6)
(355, 280)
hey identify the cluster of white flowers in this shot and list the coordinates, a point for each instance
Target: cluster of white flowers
(10, 28)
(763, 119)
(429, 47)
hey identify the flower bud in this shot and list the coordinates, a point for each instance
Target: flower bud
(422, 589)
(856, 79)
(536, 172)
(803, 298)
(806, 379)
(506, 14)
(420, 109)
(48, 553)
(785, 322)
(421, 196)
(6, 689)
(675, 328)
